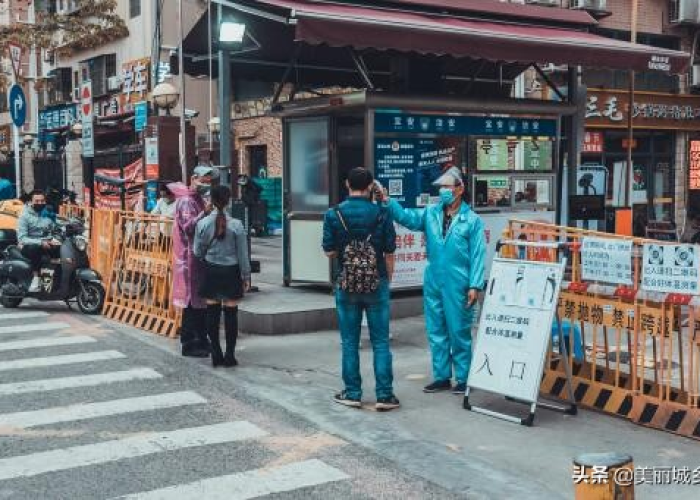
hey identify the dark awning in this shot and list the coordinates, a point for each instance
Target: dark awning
(362, 27)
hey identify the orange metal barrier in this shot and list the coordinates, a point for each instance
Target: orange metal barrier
(638, 352)
(139, 286)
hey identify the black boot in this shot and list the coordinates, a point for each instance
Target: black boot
(213, 324)
(231, 328)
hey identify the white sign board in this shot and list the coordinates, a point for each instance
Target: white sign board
(607, 260)
(671, 268)
(515, 327)
(591, 179)
(410, 258)
(86, 110)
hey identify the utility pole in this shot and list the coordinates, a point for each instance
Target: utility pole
(224, 101)
(183, 134)
(630, 113)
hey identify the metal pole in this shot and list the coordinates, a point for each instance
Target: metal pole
(572, 135)
(630, 113)
(224, 102)
(183, 134)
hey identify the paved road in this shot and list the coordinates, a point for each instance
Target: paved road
(88, 410)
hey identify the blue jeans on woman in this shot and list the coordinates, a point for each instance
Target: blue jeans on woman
(350, 307)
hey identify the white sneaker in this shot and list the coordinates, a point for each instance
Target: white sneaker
(36, 285)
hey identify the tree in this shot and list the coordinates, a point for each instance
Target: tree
(91, 24)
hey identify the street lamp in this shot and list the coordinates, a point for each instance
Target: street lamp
(166, 96)
(231, 32)
(77, 129)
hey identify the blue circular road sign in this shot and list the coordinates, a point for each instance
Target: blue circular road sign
(18, 105)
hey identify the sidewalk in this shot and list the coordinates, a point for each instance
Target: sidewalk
(433, 437)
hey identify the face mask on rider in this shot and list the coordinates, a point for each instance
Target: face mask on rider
(38, 207)
(447, 196)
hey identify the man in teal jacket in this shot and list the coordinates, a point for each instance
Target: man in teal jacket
(455, 273)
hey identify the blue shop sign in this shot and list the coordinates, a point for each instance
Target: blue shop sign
(448, 125)
(56, 117)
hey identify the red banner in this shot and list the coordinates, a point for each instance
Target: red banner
(107, 195)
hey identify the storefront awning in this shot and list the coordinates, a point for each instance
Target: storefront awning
(361, 27)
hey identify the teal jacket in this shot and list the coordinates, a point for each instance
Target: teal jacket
(457, 260)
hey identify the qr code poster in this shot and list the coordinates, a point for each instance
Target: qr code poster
(395, 187)
(671, 269)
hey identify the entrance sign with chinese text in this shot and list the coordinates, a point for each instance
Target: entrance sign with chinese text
(515, 327)
(607, 260)
(671, 268)
(410, 258)
(694, 165)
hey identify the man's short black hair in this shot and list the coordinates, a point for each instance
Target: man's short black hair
(360, 179)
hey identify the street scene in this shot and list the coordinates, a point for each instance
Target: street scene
(423, 249)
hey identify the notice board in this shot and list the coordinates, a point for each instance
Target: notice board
(515, 327)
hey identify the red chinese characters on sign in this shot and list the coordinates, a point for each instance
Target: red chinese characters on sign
(593, 142)
(694, 165)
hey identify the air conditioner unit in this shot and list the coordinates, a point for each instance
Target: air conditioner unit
(594, 5)
(695, 76)
(114, 83)
(543, 2)
(685, 12)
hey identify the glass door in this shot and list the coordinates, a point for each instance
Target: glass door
(307, 197)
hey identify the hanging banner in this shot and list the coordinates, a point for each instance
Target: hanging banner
(151, 153)
(607, 260)
(694, 166)
(108, 195)
(86, 109)
(671, 268)
(515, 326)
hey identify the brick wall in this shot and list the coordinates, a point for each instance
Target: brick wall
(255, 132)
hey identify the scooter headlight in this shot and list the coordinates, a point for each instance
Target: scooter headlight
(80, 243)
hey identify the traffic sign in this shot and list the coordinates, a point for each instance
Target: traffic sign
(18, 105)
(15, 57)
(86, 99)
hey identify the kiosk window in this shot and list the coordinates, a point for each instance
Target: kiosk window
(492, 191)
(532, 191)
(529, 155)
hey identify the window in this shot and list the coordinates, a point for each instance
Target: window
(62, 86)
(3, 101)
(134, 8)
(98, 70)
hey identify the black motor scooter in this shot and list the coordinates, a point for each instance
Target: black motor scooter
(68, 278)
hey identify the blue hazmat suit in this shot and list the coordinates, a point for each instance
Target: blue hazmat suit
(455, 265)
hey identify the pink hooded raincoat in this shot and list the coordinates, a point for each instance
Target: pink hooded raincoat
(187, 272)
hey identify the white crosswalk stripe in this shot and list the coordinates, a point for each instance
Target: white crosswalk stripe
(16, 345)
(120, 449)
(66, 359)
(34, 327)
(231, 484)
(85, 411)
(23, 315)
(250, 484)
(55, 384)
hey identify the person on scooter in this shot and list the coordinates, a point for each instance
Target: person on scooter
(34, 235)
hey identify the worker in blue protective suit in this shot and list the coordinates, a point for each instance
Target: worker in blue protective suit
(456, 248)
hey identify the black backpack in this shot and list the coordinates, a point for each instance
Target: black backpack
(360, 273)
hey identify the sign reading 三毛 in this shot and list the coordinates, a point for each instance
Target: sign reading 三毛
(514, 331)
(607, 260)
(671, 268)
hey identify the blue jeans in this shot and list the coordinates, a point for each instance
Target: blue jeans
(350, 307)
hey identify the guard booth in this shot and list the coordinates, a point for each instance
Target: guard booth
(508, 152)
(410, 87)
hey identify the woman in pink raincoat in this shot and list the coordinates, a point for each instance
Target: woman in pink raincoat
(190, 207)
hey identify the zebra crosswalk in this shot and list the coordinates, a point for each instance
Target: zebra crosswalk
(98, 384)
